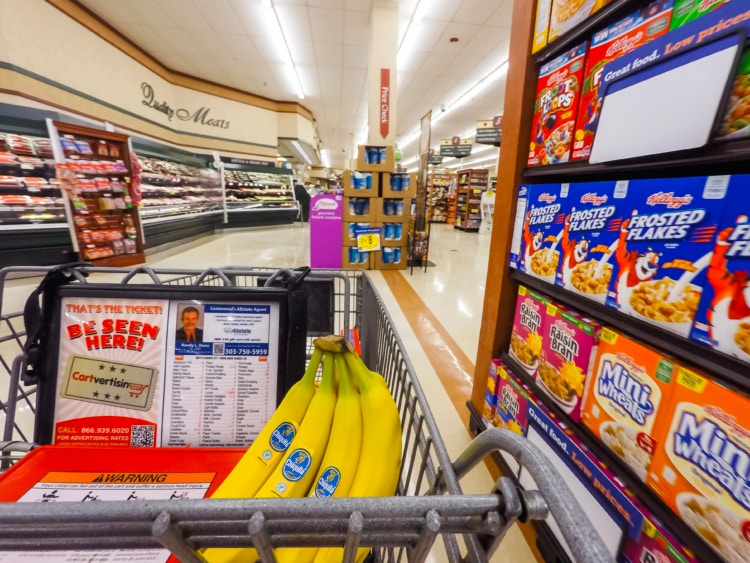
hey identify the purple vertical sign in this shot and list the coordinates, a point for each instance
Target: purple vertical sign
(326, 212)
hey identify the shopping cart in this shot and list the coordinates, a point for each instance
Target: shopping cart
(429, 500)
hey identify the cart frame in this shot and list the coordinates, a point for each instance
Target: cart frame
(429, 501)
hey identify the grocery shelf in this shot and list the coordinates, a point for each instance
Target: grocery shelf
(721, 367)
(645, 495)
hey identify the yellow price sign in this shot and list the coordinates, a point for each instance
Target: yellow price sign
(368, 242)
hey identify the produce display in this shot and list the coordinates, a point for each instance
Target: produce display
(343, 441)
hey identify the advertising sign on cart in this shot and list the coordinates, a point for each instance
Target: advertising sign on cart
(193, 369)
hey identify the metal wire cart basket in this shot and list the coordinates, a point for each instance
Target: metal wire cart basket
(429, 501)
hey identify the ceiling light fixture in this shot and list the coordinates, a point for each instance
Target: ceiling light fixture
(325, 158)
(274, 22)
(302, 152)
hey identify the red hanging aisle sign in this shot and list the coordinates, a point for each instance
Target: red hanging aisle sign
(385, 101)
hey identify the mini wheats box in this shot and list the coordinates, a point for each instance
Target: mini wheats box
(528, 327)
(606, 45)
(629, 388)
(542, 232)
(569, 348)
(589, 238)
(664, 248)
(723, 317)
(558, 95)
(701, 471)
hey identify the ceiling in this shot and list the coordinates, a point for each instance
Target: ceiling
(231, 42)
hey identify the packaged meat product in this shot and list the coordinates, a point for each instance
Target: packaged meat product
(69, 147)
(526, 340)
(14, 200)
(570, 342)
(556, 108)
(626, 398)
(701, 471)
(83, 147)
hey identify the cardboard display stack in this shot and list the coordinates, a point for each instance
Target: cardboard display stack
(377, 197)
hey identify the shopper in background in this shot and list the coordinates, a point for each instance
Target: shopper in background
(301, 195)
(189, 332)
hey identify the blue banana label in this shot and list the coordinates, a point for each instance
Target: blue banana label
(296, 465)
(328, 482)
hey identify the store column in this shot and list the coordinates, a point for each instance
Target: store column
(382, 73)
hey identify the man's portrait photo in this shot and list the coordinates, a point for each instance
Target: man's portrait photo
(189, 331)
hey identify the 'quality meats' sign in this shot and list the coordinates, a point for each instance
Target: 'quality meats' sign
(199, 116)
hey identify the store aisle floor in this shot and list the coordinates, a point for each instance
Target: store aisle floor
(437, 313)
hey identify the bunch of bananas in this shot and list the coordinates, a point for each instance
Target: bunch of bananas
(343, 439)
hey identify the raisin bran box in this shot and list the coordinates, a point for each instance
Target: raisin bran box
(569, 345)
(702, 469)
(490, 402)
(528, 328)
(556, 107)
(567, 14)
(628, 390)
(542, 230)
(655, 545)
(511, 399)
(665, 244)
(622, 37)
(723, 318)
(594, 212)
(686, 11)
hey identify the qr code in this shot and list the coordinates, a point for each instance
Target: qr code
(142, 436)
(218, 348)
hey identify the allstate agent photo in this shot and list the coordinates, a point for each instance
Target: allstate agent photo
(189, 332)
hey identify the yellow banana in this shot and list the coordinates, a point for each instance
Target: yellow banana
(380, 460)
(339, 465)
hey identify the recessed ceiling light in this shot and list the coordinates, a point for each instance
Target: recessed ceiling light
(453, 40)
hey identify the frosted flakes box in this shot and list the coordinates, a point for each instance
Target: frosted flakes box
(664, 246)
(591, 231)
(557, 96)
(490, 397)
(723, 317)
(567, 14)
(638, 28)
(569, 345)
(702, 470)
(628, 389)
(528, 327)
(655, 544)
(686, 11)
(542, 232)
(512, 398)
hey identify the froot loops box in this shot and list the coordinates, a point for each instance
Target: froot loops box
(629, 388)
(542, 232)
(556, 107)
(701, 469)
(622, 37)
(723, 317)
(569, 345)
(664, 247)
(528, 327)
(594, 212)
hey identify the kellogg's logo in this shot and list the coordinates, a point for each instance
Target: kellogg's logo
(593, 199)
(624, 44)
(669, 199)
(547, 198)
(557, 77)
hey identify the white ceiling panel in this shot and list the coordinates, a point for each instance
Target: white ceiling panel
(241, 47)
(356, 28)
(185, 14)
(303, 52)
(355, 56)
(329, 54)
(329, 76)
(503, 15)
(326, 24)
(475, 11)
(220, 15)
(294, 22)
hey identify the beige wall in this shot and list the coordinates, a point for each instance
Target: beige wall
(50, 57)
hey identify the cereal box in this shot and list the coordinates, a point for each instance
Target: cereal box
(567, 14)
(655, 545)
(665, 244)
(628, 388)
(490, 396)
(569, 346)
(688, 10)
(606, 45)
(512, 399)
(556, 107)
(702, 470)
(541, 24)
(542, 231)
(736, 122)
(517, 250)
(591, 231)
(528, 327)
(723, 317)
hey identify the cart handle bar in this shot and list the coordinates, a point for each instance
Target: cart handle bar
(579, 533)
